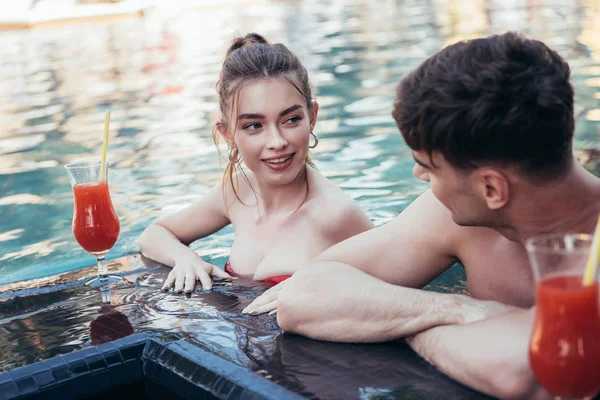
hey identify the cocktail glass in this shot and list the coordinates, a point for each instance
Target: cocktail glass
(95, 224)
(564, 350)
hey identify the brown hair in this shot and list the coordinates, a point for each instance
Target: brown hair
(503, 99)
(248, 58)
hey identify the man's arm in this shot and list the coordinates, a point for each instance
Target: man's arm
(340, 303)
(490, 356)
(411, 250)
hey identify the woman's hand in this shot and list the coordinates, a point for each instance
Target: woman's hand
(188, 269)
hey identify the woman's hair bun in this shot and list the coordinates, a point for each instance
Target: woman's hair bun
(246, 41)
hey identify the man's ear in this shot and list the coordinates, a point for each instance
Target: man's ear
(493, 187)
(313, 115)
(224, 132)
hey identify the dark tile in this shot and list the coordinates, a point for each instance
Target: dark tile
(77, 364)
(171, 381)
(24, 381)
(5, 377)
(59, 368)
(42, 375)
(237, 393)
(98, 382)
(94, 359)
(153, 349)
(131, 370)
(8, 387)
(111, 353)
(204, 377)
(131, 347)
(223, 388)
(164, 358)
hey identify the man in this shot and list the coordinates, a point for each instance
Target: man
(490, 124)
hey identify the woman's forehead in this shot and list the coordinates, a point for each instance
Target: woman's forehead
(267, 95)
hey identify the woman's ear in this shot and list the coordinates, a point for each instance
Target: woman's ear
(224, 132)
(313, 115)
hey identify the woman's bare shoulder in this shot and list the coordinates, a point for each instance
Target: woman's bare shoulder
(332, 208)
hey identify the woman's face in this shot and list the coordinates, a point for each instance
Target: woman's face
(272, 130)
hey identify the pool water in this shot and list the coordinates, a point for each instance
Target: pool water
(157, 75)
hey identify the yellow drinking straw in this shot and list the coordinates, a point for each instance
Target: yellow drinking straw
(592, 262)
(104, 146)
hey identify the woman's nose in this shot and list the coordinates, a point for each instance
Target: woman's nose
(276, 140)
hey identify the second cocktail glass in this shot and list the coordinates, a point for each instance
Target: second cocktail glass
(564, 349)
(95, 224)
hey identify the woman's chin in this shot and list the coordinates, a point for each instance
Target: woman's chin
(286, 177)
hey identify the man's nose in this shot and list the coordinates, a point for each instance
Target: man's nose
(420, 173)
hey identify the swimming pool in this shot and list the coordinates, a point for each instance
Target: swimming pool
(157, 75)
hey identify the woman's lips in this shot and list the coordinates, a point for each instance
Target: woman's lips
(280, 162)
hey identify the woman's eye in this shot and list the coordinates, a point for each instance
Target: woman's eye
(294, 120)
(252, 127)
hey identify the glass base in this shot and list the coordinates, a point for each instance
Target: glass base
(102, 280)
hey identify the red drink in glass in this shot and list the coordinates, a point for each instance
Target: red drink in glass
(565, 345)
(95, 223)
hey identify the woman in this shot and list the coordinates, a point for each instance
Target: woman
(283, 211)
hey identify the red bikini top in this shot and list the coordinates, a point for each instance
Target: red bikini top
(272, 280)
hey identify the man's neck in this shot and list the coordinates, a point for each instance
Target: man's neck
(569, 205)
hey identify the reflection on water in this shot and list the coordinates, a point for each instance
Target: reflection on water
(157, 75)
(110, 325)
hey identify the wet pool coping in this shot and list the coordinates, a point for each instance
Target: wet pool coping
(214, 352)
(182, 368)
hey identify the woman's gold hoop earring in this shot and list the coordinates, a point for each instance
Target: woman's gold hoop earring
(233, 158)
(312, 146)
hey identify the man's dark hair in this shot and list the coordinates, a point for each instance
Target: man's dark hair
(503, 99)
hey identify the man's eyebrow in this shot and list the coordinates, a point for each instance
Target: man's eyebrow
(290, 109)
(422, 164)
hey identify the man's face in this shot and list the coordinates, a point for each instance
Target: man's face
(453, 188)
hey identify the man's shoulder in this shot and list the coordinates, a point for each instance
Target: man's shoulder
(432, 221)
(427, 212)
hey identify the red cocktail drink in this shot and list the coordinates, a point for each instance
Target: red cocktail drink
(565, 345)
(564, 350)
(95, 223)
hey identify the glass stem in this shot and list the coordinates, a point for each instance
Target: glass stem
(105, 292)
(102, 268)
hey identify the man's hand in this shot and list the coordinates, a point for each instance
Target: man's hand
(190, 268)
(266, 302)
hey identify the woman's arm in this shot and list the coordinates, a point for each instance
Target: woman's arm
(166, 241)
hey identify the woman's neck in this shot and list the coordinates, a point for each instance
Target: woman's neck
(282, 199)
